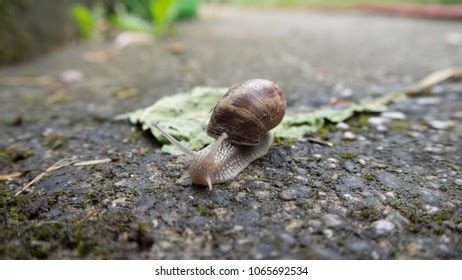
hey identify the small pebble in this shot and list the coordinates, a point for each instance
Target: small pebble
(459, 227)
(71, 75)
(331, 220)
(437, 124)
(383, 227)
(378, 120)
(294, 193)
(390, 194)
(122, 183)
(428, 101)
(348, 136)
(225, 247)
(431, 210)
(381, 128)
(328, 233)
(458, 181)
(342, 126)
(457, 115)
(118, 202)
(333, 160)
(394, 115)
(362, 161)
(235, 186)
(346, 92)
(184, 182)
(434, 150)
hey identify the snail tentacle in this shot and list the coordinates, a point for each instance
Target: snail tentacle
(175, 142)
(209, 183)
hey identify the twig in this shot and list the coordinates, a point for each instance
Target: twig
(435, 78)
(58, 165)
(320, 142)
(92, 162)
(7, 177)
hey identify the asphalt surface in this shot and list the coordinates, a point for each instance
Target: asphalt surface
(390, 188)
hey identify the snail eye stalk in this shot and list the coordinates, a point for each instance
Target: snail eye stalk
(175, 142)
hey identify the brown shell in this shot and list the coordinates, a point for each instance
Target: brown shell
(247, 111)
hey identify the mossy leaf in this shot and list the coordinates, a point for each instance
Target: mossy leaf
(185, 117)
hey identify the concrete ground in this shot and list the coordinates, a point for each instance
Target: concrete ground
(392, 191)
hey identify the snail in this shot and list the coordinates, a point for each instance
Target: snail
(241, 123)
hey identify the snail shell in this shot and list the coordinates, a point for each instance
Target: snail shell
(247, 112)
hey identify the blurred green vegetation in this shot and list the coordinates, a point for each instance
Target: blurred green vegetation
(157, 16)
(289, 3)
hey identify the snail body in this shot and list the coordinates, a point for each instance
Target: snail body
(228, 162)
(241, 123)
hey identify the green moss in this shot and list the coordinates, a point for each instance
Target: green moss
(359, 122)
(47, 232)
(91, 198)
(9, 155)
(420, 220)
(347, 156)
(368, 213)
(369, 177)
(86, 247)
(11, 206)
(400, 126)
(55, 141)
(40, 251)
(134, 136)
(441, 217)
(202, 211)
(143, 228)
(324, 131)
(15, 215)
(70, 239)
